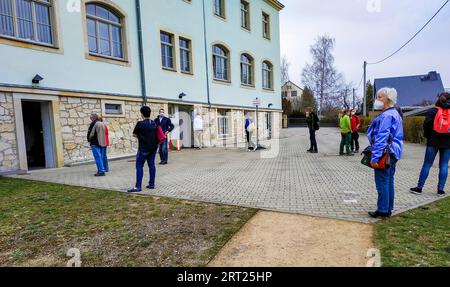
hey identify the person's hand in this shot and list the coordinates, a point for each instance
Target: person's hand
(375, 165)
(166, 133)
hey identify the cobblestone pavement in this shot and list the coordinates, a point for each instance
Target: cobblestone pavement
(323, 185)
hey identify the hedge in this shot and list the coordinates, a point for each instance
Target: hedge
(412, 128)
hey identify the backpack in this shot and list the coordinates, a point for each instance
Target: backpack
(442, 121)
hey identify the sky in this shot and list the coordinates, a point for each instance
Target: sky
(368, 30)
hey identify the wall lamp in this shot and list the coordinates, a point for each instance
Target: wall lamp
(270, 105)
(37, 79)
(182, 95)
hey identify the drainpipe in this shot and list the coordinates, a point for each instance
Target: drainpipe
(207, 70)
(141, 52)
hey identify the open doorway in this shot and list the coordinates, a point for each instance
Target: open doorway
(38, 133)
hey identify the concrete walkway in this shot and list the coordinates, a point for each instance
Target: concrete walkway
(323, 185)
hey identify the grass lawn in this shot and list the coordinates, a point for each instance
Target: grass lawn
(40, 222)
(420, 237)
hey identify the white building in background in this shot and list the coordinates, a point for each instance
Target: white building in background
(60, 63)
(293, 93)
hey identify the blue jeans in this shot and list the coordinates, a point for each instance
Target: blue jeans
(384, 180)
(141, 158)
(164, 151)
(430, 155)
(98, 157)
(104, 151)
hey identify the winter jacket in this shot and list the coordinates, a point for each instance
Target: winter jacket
(386, 129)
(97, 134)
(313, 121)
(355, 122)
(434, 139)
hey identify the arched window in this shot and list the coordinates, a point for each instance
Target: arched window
(221, 63)
(28, 20)
(104, 28)
(267, 75)
(247, 70)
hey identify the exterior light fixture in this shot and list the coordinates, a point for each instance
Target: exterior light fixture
(37, 79)
(182, 95)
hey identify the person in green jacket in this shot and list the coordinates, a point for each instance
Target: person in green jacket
(346, 133)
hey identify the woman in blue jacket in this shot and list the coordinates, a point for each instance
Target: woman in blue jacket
(386, 132)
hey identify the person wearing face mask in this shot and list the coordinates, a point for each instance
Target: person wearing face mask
(313, 125)
(166, 125)
(386, 134)
(355, 125)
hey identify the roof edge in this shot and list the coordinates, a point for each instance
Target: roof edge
(276, 4)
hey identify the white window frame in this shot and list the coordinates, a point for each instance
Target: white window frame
(113, 102)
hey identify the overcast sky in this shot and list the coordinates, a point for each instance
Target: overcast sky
(370, 34)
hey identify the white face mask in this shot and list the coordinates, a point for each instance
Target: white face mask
(378, 105)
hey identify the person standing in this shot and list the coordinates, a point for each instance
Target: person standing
(355, 125)
(97, 140)
(312, 121)
(145, 131)
(437, 132)
(346, 134)
(166, 125)
(249, 130)
(198, 131)
(386, 133)
(104, 150)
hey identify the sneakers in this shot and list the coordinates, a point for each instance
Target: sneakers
(150, 187)
(441, 193)
(416, 190)
(100, 174)
(134, 189)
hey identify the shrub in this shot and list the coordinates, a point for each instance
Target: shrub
(413, 129)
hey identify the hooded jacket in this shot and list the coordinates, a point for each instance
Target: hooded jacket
(434, 139)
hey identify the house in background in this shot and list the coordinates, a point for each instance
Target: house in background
(293, 93)
(414, 92)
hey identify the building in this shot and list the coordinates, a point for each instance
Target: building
(60, 62)
(293, 93)
(414, 91)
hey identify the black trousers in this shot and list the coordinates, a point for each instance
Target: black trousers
(312, 138)
(355, 141)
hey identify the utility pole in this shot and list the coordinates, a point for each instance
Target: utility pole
(354, 103)
(365, 89)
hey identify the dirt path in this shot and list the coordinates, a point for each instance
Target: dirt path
(272, 239)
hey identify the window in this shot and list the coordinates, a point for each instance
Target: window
(219, 8)
(104, 29)
(185, 55)
(167, 55)
(245, 15)
(284, 94)
(293, 93)
(220, 63)
(113, 109)
(28, 20)
(223, 122)
(246, 70)
(267, 74)
(266, 25)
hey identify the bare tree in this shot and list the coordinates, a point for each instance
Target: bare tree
(285, 65)
(321, 76)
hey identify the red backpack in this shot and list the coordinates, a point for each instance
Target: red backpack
(442, 121)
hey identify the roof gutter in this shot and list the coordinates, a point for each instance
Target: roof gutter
(141, 53)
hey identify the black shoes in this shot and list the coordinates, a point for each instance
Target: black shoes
(134, 190)
(416, 190)
(378, 214)
(441, 193)
(100, 174)
(163, 163)
(150, 187)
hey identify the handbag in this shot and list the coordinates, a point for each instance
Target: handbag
(160, 135)
(383, 164)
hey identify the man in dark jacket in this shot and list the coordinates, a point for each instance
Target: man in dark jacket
(166, 125)
(145, 131)
(313, 125)
(436, 142)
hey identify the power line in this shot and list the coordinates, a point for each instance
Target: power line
(413, 37)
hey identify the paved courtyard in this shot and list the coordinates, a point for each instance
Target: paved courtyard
(294, 181)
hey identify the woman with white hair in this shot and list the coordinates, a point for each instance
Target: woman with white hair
(386, 138)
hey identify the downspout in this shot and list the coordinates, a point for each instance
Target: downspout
(141, 52)
(207, 71)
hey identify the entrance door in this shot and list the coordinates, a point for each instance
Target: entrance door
(38, 134)
(186, 124)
